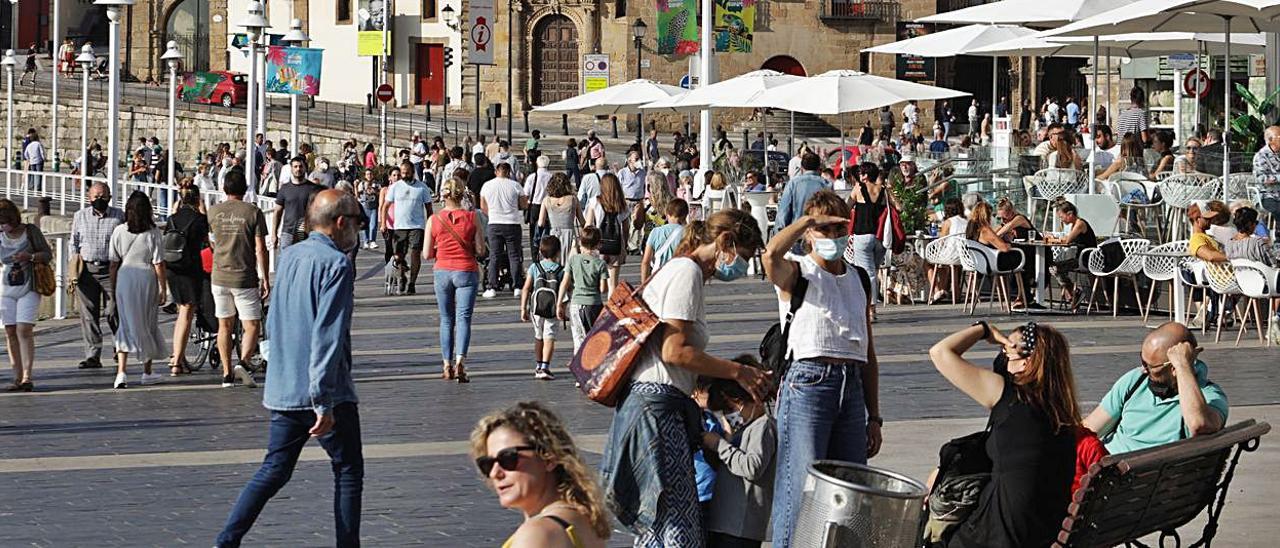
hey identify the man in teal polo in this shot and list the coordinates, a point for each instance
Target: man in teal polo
(1168, 398)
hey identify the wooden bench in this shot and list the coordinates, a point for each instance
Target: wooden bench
(1131, 495)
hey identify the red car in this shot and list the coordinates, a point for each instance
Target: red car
(851, 155)
(218, 87)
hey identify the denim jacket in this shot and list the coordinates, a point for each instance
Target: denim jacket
(630, 467)
(310, 322)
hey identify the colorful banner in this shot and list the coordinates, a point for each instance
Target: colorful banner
(199, 87)
(481, 19)
(734, 26)
(294, 70)
(371, 20)
(678, 27)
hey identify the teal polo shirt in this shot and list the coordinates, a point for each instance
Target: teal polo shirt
(1147, 421)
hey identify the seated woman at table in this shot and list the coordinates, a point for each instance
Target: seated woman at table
(1013, 225)
(953, 219)
(1246, 244)
(1186, 162)
(1130, 160)
(1079, 235)
(1063, 155)
(979, 230)
(1205, 247)
(1162, 143)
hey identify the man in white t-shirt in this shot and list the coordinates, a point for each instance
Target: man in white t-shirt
(417, 153)
(412, 205)
(502, 199)
(1104, 142)
(535, 187)
(478, 148)
(589, 187)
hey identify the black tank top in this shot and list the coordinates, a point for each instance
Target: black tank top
(866, 214)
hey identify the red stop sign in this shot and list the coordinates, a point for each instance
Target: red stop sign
(385, 93)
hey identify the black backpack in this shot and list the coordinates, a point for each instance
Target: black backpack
(174, 243)
(610, 234)
(544, 297)
(774, 351)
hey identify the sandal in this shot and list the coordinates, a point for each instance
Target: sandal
(462, 377)
(14, 386)
(447, 374)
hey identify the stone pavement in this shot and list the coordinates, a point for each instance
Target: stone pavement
(161, 466)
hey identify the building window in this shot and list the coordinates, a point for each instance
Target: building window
(342, 12)
(428, 10)
(620, 8)
(864, 62)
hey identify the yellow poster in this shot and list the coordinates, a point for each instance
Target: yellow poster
(369, 43)
(596, 83)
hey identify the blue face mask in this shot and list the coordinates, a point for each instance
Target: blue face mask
(830, 248)
(732, 271)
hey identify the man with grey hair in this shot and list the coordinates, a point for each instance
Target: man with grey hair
(1266, 168)
(309, 390)
(91, 229)
(535, 187)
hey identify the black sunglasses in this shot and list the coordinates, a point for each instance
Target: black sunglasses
(507, 458)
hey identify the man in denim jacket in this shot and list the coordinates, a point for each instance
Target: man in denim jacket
(309, 388)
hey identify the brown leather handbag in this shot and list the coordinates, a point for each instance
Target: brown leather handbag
(603, 364)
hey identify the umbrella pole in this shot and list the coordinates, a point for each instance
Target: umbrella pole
(840, 156)
(995, 68)
(1093, 126)
(1199, 59)
(791, 139)
(1110, 113)
(1226, 97)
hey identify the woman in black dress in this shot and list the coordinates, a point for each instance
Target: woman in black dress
(1031, 395)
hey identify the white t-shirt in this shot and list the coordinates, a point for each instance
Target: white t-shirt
(674, 293)
(477, 148)
(503, 197)
(535, 185)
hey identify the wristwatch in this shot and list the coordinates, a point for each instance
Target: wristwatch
(876, 419)
(986, 329)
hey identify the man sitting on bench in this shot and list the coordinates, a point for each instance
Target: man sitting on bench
(1168, 398)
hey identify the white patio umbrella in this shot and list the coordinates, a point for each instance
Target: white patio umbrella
(1186, 16)
(1033, 13)
(958, 41)
(625, 98)
(841, 91)
(1142, 44)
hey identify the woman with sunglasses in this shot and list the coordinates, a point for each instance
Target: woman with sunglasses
(1030, 393)
(1186, 163)
(527, 457)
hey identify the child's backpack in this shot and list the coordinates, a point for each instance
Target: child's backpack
(543, 300)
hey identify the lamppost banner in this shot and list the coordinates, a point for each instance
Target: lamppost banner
(370, 22)
(734, 26)
(294, 70)
(480, 32)
(677, 27)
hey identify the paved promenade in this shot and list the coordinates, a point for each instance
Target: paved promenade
(83, 465)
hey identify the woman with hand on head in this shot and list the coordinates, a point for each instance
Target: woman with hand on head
(527, 456)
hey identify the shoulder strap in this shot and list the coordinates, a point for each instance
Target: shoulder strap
(1132, 389)
(559, 520)
(449, 226)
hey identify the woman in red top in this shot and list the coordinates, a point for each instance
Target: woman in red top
(454, 240)
(370, 158)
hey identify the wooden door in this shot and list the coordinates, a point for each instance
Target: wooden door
(429, 68)
(556, 71)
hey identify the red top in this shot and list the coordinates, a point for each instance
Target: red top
(1089, 450)
(450, 253)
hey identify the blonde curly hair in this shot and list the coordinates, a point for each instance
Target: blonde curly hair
(542, 429)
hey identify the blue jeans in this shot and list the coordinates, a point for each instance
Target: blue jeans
(34, 182)
(456, 296)
(821, 415)
(371, 231)
(287, 436)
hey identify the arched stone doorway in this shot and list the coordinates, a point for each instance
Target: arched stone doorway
(782, 63)
(555, 59)
(187, 26)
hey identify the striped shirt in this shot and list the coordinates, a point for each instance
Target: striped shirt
(1132, 120)
(91, 233)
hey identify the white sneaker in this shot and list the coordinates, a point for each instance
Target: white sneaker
(246, 378)
(516, 293)
(120, 381)
(373, 245)
(544, 374)
(151, 378)
(489, 294)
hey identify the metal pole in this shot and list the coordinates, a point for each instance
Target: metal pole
(262, 88)
(113, 102)
(510, 64)
(8, 147)
(639, 113)
(57, 67)
(251, 100)
(1178, 135)
(84, 130)
(1111, 113)
(173, 130)
(477, 103)
(1093, 127)
(704, 79)
(1199, 59)
(386, 47)
(1226, 100)
(791, 138)
(444, 79)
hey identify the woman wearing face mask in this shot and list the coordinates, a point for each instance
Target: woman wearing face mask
(527, 456)
(647, 466)
(869, 199)
(1032, 439)
(21, 246)
(829, 400)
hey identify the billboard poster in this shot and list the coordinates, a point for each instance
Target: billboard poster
(371, 18)
(914, 68)
(294, 71)
(734, 25)
(677, 27)
(595, 72)
(199, 87)
(480, 32)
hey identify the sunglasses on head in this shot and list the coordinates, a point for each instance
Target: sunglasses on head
(507, 458)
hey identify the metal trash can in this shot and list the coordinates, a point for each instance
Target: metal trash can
(849, 505)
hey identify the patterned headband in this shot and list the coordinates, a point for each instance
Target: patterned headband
(1028, 339)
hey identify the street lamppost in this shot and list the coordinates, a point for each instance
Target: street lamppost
(295, 37)
(638, 30)
(450, 18)
(113, 92)
(172, 58)
(253, 24)
(8, 64)
(85, 59)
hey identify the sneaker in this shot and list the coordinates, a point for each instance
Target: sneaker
(228, 381)
(373, 245)
(90, 363)
(1273, 332)
(516, 293)
(545, 374)
(120, 381)
(245, 376)
(489, 294)
(150, 378)
(413, 289)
